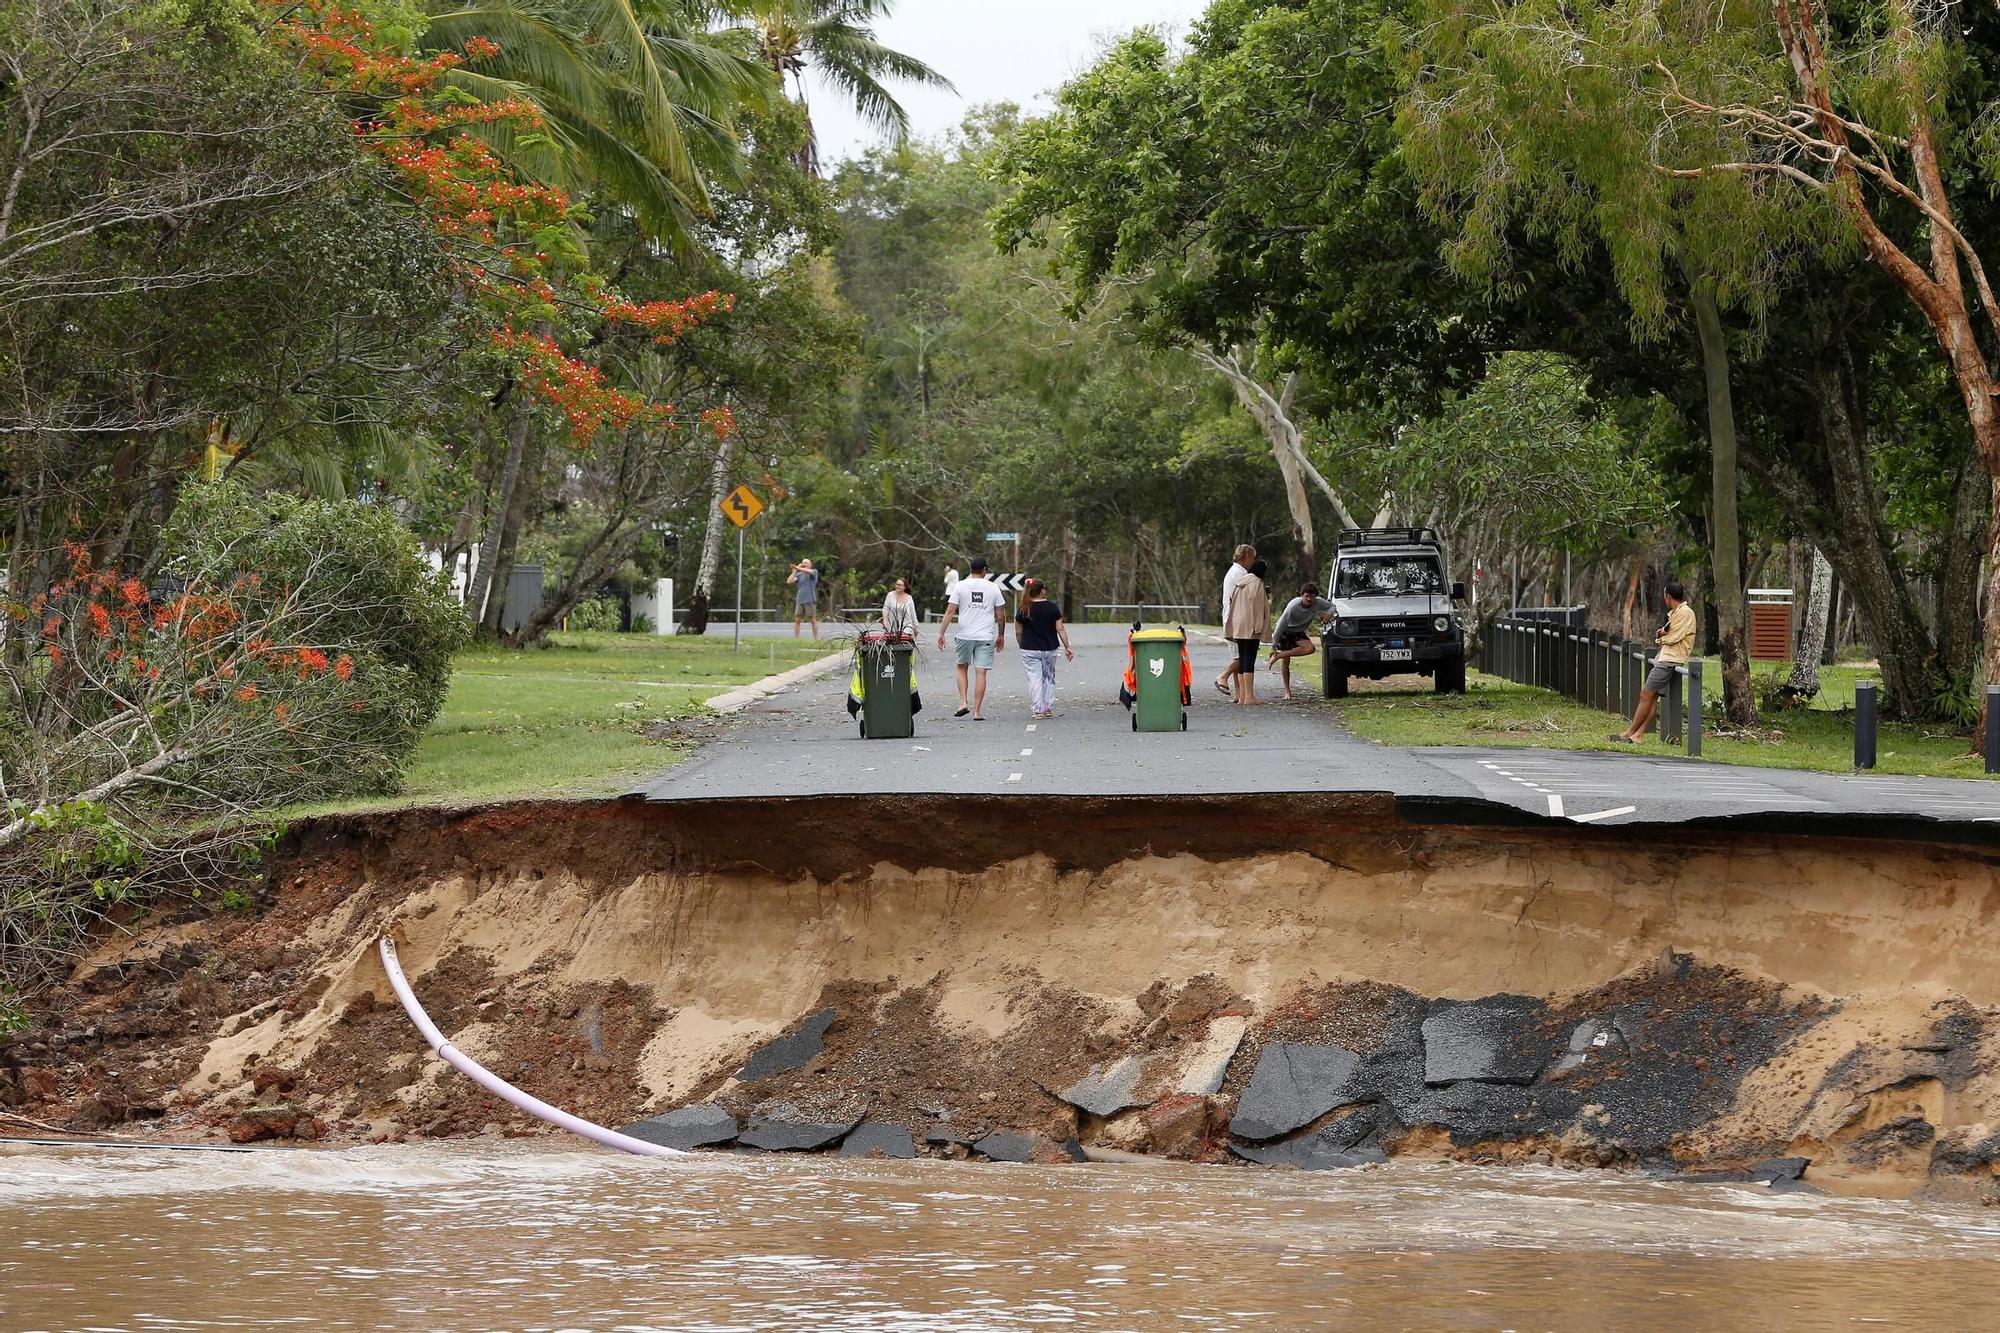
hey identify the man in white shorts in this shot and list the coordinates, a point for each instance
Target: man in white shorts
(975, 604)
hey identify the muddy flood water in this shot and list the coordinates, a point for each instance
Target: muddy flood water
(522, 1237)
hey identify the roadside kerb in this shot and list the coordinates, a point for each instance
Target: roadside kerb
(736, 700)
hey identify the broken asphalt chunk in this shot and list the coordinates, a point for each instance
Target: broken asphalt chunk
(1008, 1146)
(874, 1139)
(784, 1128)
(1107, 1089)
(1482, 1044)
(1331, 1148)
(794, 1050)
(688, 1127)
(1293, 1086)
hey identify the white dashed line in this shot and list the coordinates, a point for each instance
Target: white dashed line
(1603, 814)
(1031, 726)
(1026, 753)
(1013, 777)
(1555, 806)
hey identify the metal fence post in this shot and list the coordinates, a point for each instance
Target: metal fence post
(1670, 728)
(1864, 724)
(1694, 707)
(1993, 728)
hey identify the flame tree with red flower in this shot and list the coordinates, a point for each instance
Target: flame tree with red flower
(514, 243)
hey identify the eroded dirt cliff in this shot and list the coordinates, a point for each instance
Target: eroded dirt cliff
(1303, 980)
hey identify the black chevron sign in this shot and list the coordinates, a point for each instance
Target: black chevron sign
(1010, 582)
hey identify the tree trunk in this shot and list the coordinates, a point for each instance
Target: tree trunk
(477, 591)
(613, 545)
(1937, 288)
(1959, 572)
(513, 522)
(1273, 413)
(1804, 681)
(1725, 541)
(711, 543)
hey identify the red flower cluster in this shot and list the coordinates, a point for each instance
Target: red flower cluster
(666, 320)
(489, 216)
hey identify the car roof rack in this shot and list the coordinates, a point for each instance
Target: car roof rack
(1388, 537)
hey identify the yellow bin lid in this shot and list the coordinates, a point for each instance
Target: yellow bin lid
(1158, 636)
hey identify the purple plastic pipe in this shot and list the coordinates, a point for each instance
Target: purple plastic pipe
(499, 1087)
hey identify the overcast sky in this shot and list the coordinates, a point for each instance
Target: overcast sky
(994, 50)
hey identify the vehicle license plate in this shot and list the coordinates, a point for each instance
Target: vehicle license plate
(1395, 654)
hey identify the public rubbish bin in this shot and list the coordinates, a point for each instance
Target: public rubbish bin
(882, 692)
(1158, 680)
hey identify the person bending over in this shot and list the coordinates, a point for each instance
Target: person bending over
(1293, 635)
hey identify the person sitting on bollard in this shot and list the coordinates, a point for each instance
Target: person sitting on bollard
(1676, 642)
(1293, 635)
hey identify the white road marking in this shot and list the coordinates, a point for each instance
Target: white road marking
(1013, 777)
(1031, 726)
(1026, 753)
(1603, 814)
(1555, 806)
(924, 748)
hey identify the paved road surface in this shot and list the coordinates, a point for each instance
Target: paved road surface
(802, 742)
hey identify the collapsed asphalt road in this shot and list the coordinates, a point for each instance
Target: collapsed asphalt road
(1315, 981)
(802, 743)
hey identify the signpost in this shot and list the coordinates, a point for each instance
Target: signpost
(741, 507)
(1009, 582)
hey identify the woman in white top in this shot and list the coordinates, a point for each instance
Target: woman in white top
(899, 609)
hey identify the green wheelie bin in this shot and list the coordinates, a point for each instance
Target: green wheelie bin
(1159, 677)
(887, 696)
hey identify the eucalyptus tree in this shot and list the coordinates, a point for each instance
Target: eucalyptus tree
(1731, 140)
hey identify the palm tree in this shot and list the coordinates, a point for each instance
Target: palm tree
(835, 41)
(640, 102)
(640, 99)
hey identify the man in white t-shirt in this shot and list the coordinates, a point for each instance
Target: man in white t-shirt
(975, 602)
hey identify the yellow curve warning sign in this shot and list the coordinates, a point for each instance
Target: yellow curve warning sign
(742, 506)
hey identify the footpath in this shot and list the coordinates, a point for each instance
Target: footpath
(800, 741)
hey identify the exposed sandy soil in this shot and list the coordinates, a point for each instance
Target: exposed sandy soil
(1817, 997)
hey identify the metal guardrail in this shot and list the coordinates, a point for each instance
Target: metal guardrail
(1596, 669)
(1601, 671)
(1193, 608)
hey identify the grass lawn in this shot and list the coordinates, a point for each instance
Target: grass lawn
(1498, 712)
(571, 719)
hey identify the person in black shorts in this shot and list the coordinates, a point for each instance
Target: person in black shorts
(1293, 635)
(1249, 619)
